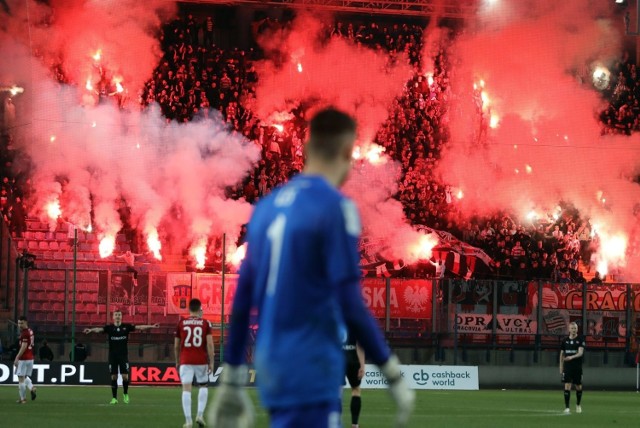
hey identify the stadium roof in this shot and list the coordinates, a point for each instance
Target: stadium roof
(445, 9)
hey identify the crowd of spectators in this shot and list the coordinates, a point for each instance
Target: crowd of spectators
(197, 77)
(622, 115)
(12, 188)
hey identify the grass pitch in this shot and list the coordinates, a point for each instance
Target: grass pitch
(161, 407)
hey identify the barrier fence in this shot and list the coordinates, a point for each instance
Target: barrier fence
(475, 312)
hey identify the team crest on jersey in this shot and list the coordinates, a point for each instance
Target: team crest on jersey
(351, 217)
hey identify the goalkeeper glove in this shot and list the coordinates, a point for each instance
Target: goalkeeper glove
(400, 391)
(231, 407)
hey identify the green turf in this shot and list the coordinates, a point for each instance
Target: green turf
(161, 407)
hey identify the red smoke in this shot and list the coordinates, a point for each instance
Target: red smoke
(545, 146)
(80, 149)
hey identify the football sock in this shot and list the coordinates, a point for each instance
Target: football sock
(125, 386)
(567, 396)
(23, 391)
(28, 383)
(203, 394)
(186, 406)
(114, 388)
(578, 397)
(356, 403)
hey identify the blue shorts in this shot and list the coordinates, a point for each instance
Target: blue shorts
(317, 415)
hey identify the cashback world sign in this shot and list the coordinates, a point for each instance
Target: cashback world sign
(426, 377)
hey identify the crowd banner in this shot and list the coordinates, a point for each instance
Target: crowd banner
(208, 288)
(411, 298)
(158, 284)
(178, 292)
(601, 313)
(505, 324)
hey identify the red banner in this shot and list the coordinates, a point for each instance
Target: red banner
(206, 287)
(606, 306)
(411, 298)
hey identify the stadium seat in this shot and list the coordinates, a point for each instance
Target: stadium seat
(53, 245)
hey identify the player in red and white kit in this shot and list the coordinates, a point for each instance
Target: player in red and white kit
(193, 346)
(24, 361)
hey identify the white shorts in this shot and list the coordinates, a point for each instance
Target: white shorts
(188, 371)
(25, 367)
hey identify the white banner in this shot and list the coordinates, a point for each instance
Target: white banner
(426, 377)
(505, 324)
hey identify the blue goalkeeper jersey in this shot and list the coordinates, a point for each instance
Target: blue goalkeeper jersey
(301, 272)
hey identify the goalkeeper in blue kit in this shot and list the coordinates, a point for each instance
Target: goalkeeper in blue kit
(301, 272)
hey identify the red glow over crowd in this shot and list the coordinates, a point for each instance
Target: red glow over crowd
(203, 74)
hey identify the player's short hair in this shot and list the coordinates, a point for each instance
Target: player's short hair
(22, 318)
(116, 311)
(195, 305)
(573, 323)
(325, 128)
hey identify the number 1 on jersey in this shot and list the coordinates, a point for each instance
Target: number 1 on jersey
(275, 233)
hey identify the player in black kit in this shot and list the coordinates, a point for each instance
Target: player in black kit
(571, 355)
(118, 334)
(354, 368)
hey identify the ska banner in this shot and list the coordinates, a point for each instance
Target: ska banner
(409, 298)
